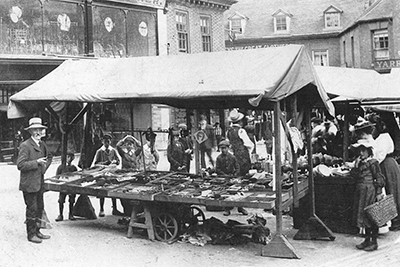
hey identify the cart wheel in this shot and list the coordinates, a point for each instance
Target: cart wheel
(197, 214)
(165, 227)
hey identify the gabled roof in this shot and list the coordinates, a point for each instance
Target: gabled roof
(379, 10)
(282, 11)
(333, 8)
(237, 15)
(307, 19)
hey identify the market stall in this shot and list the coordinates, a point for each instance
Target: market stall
(281, 79)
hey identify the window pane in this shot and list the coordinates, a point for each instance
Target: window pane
(181, 22)
(281, 23)
(141, 27)
(64, 30)
(108, 32)
(332, 19)
(381, 44)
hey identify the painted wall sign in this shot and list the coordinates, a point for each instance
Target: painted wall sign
(143, 28)
(148, 3)
(64, 22)
(253, 46)
(109, 24)
(387, 64)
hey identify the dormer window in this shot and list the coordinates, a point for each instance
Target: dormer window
(281, 21)
(237, 23)
(332, 17)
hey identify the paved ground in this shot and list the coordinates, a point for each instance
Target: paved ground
(103, 242)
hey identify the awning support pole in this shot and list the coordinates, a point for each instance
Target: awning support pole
(279, 247)
(313, 228)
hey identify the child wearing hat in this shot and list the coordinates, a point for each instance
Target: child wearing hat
(176, 153)
(129, 148)
(227, 164)
(68, 167)
(369, 183)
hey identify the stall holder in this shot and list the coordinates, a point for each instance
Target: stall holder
(168, 198)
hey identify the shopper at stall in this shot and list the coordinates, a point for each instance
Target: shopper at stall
(369, 183)
(208, 144)
(149, 157)
(240, 141)
(218, 133)
(63, 168)
(33, 161)
(227, 165)
(383, 152)
(107, 155)
(175, 153)
(129, 148)
(187, 143)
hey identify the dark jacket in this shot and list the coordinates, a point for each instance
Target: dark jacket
(32, 173)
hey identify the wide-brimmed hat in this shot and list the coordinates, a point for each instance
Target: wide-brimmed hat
(363, 142)
(35, 123)
(362, 124)
(235, 116)
(224, 143)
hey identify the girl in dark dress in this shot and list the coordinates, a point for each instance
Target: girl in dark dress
(369, 183)
(176, 154)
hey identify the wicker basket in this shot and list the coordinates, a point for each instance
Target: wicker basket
(382, 211)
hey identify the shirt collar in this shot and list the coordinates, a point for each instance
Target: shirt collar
(36, 141)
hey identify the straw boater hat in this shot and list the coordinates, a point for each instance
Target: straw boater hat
(235, 116)
(35, 123)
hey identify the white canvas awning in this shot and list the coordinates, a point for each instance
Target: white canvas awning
(220, 79)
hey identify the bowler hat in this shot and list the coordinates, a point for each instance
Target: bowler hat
(35, 123)
(235, 116)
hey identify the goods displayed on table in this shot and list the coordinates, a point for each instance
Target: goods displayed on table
(168, 186)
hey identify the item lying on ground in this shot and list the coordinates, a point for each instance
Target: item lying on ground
(232, 232)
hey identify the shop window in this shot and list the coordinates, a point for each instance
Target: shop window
(281, 21)
(320, 58)
(381, 44)
(109, 38)
(332, 17)
(183, 33)
(141, 34)
(205, 30)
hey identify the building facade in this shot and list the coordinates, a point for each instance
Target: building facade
(38, 35)
(373, 40)
(315, 24)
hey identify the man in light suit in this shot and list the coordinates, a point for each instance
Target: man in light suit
(33, 161)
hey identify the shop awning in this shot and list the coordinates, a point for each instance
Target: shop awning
(365, 86)
(218, 78)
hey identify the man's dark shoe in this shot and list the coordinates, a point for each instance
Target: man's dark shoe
(35, 239)
(42, 236)
(71, 217)
(371, 247)
(364, 244)
(59, 218)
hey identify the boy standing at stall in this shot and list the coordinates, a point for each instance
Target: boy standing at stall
(107, 155)
(68, 167)
(227, 164)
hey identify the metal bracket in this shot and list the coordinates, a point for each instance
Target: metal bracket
(279, 247)
(313, 229)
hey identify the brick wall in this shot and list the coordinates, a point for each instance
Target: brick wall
(194, 12)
